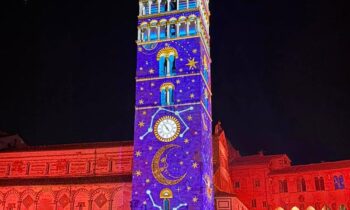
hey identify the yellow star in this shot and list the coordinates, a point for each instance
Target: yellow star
(144, 113)
(151, 71)
(191, 95)
(189, 188)
(138, 173)
(147, 180)
(178, 81)
(140, 49)
(141, 124)
(186, 141)
(189, 117)
(181, 163)
(195, 199)
(194, 50)
(192, 63)
(137, 153)
(195, 165)
(140, 101)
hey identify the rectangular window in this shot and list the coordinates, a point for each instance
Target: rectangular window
(256, 183)
(283, 186)
(237, 185)
(254, 203)
(264, 204)
(339, 182)
(319, 183)
(301, 185)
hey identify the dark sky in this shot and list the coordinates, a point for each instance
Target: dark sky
(280, 73)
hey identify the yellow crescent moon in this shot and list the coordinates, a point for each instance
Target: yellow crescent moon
(157, 172)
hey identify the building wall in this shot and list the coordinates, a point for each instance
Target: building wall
(75, 177)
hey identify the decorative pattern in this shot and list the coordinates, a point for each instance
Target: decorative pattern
(101, 200)
(28, 201)
(158, 171)
(64, 201)
(177, 113)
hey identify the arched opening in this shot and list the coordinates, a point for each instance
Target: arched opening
(153, 33)
(182, 28)
(81, 198)
(192, 29)
(173, 5)
(295, 208)
(325, 207)
(310, 208)
(167, 94)
(279, 208)
(144, 34)
(166, 58)
(46, 201)
(342, 207)
(162, 29)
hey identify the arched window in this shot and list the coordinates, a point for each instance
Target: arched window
(167, 94)
(153, 33)
(163, 6)
(162, 29)
(167, 63)
(172, 30)
(182, 28)
(339, 182)
(301, 185)
(283, 186)
(342, 207)
(192, 27)
(326, 208)
(319, 184)
(205, 69)
(173, 5)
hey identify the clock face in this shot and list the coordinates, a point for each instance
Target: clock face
(167, 128)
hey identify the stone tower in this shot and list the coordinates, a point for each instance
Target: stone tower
(172, 166)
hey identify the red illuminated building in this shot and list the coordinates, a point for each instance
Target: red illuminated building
(98, 176)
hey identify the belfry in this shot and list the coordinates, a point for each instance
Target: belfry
(172, 167)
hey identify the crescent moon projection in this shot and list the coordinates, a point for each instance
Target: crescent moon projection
(158, 171)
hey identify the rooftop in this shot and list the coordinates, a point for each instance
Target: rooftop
(313, 167)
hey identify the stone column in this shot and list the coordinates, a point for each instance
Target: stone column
(158, 27)
(138, 34)
(187, 4)
(168, 5)
(149, 7)
(110, 204)
(19, 205)
(178, 29)
(177, 4)
(198, 25)
(90, 204)
(149, 33)
(159, 1)
(188, 27)
(35, 204)
(140, 8)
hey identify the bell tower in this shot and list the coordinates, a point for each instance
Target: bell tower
(172, 163)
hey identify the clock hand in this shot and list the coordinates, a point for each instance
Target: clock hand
(166, 127)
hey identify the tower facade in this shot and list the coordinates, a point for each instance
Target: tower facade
(172, 164)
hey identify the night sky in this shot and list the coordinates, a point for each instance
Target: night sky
(280, 73)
